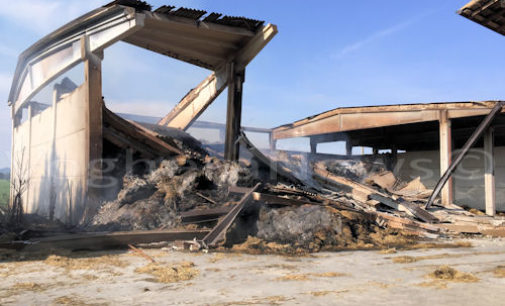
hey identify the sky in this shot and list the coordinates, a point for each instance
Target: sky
(327, 54)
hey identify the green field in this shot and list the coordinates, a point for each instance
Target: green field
(4, 193)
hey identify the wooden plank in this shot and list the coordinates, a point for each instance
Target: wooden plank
(218, 232)
(489, 169)
(445, 155)
(365, 193)
(99, 241)
(200, 215)
(271, 199)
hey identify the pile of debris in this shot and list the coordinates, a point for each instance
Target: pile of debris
(289, 203)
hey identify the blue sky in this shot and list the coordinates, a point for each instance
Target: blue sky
(327, 54)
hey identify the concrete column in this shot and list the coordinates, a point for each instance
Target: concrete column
(313, 146)
(348, 148)
(272, 141)
(445, 155)
(489, 179)
(234, 113)
(94, 116)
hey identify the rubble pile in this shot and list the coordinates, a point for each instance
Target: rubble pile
(305, 204)
(154, 200)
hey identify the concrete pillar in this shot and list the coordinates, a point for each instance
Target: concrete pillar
(348, 148)
(445, 155)
(94, 129)
(489, 179)
(313, 146)
(234, 113)
(272, 141)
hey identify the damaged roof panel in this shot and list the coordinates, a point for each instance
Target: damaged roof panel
(489, 13)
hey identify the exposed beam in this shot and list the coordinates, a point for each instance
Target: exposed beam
(489, 179)
(196, 101)
(255, 45)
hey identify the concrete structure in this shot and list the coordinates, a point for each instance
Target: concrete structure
(428, 135)
(60, 148)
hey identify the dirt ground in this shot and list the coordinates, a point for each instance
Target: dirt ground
(451, 276)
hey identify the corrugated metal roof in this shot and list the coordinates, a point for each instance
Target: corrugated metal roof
(187, 13)
(241, 22)
(489, 13)
(138, 5)
(193, 14)
(165, 9)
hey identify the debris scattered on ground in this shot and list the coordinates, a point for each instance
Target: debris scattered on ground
(499, 271)
(170, 273)
(448, 273)
(84, 263)
(311, 204)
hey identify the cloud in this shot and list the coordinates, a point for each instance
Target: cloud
(379, 35)
(43, 16)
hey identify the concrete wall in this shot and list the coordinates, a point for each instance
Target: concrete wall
(468, 179)
(54, 145)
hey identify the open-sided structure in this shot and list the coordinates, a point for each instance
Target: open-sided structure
(423, 131)
(60, 148)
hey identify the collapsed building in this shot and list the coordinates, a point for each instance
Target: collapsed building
(167, 180)
(62, 145)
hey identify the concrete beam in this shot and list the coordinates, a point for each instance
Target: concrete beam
(360, 118)
(196, 101)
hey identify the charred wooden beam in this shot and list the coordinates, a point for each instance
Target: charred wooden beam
(100, 241)
(218, 232)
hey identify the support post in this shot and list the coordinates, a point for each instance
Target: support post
(489, 179)
(272, 141)
(348, 148)
(234, 113)
(445, 155)
(313, 145)
(94, 109)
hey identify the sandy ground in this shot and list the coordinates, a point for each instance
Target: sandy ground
(343, 278)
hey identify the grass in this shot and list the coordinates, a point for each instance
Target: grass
(4, 193)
